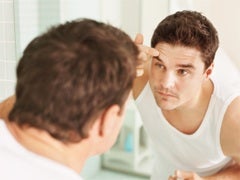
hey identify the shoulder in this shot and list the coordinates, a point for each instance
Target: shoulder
(230, 131)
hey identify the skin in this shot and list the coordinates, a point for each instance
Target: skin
(6, 106)
(182, 89)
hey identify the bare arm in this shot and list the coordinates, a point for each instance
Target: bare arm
(142, 70)
(6, 106)
(232, 172)
(230, 141)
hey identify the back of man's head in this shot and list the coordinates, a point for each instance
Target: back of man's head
(69, 75)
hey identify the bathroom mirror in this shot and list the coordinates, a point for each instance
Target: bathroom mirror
(33, 17)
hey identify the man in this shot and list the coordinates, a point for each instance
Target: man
(68, 102)
(192, 120)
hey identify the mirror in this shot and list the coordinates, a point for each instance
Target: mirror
(33, 17)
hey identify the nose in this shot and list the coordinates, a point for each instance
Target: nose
(168, 80)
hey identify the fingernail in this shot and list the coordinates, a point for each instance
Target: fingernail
(140, 72)
(156, 53)
(178, 173)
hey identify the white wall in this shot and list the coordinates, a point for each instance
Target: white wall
(26, 22)
(74, 9)
(7, 49)
(152, 12)
(225, 15)
(110, 11)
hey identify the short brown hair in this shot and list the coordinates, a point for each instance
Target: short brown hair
(70, 74)
(190, 29)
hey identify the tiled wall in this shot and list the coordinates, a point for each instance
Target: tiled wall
(7, 49)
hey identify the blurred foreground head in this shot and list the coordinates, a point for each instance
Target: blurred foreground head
(71, 74)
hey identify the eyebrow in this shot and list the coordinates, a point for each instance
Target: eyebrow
(189, 66)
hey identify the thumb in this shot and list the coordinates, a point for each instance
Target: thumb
(139, 39)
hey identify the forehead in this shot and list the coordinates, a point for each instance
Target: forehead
(178, 54)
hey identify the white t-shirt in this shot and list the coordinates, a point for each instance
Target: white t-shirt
(18, 163)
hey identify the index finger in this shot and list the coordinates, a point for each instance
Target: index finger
(139, 39)
(153, 52)
(149, 50)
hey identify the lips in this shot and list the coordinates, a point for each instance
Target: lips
(166, 94)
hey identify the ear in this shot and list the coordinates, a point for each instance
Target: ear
(106, 123)
(209, 70)
(111, 120)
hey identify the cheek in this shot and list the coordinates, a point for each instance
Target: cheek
(188, 88)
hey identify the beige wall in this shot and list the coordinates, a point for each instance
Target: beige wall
(225, 15)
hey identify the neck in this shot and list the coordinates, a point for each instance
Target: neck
(72, 155)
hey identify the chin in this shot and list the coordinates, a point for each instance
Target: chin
(166, 105)
(166, 108)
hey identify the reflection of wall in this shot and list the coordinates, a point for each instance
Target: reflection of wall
(7, 49)
(26, 22)
(152, 12)
(224, 17)
(48, 14)
(73, 9)
(224, 69)
(35, 16)
(130, 16)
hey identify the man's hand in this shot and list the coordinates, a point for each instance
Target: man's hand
(145, 53)
(184, 175)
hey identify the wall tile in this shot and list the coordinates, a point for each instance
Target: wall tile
(7, 49)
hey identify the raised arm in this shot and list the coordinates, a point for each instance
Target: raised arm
(145, 55)
(6, 106)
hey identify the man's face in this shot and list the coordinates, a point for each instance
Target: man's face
(176, 76)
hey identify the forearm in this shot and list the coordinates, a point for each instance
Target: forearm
(230, 173)
(6, 106)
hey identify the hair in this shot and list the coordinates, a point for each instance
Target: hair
(190, 29)
(70, 74)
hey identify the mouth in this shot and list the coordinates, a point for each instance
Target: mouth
(166, 94)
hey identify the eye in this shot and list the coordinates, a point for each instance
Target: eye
(159, 65)
(182, 72)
